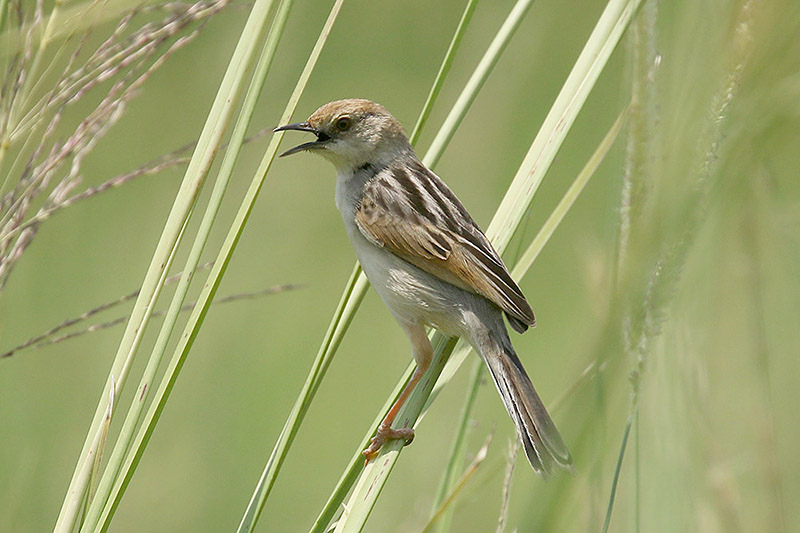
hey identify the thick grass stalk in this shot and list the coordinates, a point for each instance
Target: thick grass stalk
(524, 263)
(123, 444)
(209, 289)
(565, 204)
(584, 74)
(207, 146)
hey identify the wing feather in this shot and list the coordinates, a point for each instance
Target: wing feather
(415, 216)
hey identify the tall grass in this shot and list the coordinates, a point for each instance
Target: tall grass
(664, 286)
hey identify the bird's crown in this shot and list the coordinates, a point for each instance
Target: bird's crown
(354, 132)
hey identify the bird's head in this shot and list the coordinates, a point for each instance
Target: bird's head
(351, 133)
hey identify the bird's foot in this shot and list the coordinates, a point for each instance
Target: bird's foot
(383, 434)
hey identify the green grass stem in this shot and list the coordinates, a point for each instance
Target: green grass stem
(524, 263)
(617, 470)
(476, 81)
(218, 270)
(125, 439)
(455, 459)
(207, 146)
(444, 69)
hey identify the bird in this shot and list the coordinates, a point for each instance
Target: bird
(429, 262)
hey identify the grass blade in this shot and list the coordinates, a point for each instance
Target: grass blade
(443, 70)
(124, 441)
(356, 285)
(617, 469)
(211, 285)
(456, 458)
(447, 502)
(207, 146)
(476, 81)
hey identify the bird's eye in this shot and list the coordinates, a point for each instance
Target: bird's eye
(343, 124)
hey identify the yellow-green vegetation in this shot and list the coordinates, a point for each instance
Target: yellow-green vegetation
(635, 161)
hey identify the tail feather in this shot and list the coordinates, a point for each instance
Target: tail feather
(543, 445)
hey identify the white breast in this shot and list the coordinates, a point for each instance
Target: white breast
(411, 294)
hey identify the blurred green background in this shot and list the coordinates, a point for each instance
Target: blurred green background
(716, 440)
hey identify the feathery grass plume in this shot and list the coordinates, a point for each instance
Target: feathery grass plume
(41, 168)
(511, 461)
(641, 138)
(643, 320)
(172, 159)
(49, 337)
(641, 150)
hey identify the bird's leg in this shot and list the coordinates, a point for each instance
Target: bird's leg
(423, 353)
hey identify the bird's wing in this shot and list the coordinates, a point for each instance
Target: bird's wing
(412, 213)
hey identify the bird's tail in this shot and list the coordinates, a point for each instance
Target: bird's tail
(543, 444)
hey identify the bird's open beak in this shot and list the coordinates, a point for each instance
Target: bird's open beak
(303, 126)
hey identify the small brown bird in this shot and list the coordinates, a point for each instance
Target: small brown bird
(429, 262)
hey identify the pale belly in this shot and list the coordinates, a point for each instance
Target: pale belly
(414, 296)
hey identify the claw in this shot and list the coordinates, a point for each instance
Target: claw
(383, 434)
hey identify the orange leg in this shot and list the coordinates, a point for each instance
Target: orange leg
(423, 352)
